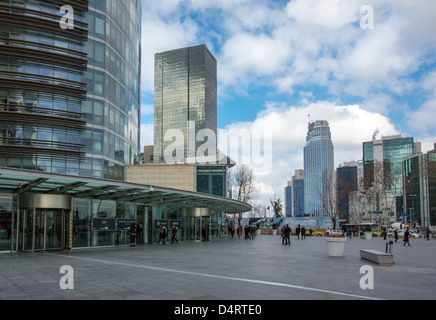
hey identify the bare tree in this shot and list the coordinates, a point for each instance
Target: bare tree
(243, 181)
(243, 184)
(327, 197)
(258, 211)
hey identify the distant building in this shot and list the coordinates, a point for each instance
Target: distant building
(419, 176)
(294, 195)
(185, 101)
(318, 167)
(288, 199)
(383, 161)
(346, 182)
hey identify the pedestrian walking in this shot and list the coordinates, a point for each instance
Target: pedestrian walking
(287, 231)
(133, 235)
(251, 229)
(162, 234)
(303, 233)
(174, 234)
(385, 233)
(239, 231)
(297, 231)
(406, 237)
(282, 233)
(396, 235)
(427, 232)
(247, 232)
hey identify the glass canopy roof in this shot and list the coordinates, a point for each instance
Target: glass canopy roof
(14, 181)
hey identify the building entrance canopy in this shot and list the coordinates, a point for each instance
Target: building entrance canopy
(18, 182)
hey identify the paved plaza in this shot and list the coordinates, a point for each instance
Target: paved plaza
(228, 269)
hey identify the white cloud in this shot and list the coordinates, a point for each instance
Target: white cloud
(146, 135)
(147, 109)
(350, 125)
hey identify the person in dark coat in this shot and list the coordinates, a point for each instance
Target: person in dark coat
(247, 232)
(287, 235)
(297, 231)
(406, 237)
(133, 235)
(174, 233)
(396, 235)
(303, 233)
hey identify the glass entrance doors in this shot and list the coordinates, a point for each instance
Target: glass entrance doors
(199, 229)
(41, 229)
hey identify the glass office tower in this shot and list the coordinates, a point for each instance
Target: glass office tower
(419, 189)
(318, 168)
(69, 98)
(383, 160)
(185, 99)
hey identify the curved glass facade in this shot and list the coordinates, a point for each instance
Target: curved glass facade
(69, 99)
(111, 137)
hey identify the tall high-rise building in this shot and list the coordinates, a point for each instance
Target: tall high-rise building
(383, 160)
(419, 189)
(346, 182)
(294, 195)
(185, 101)
(69, 98)
(288, 199)
(318, 168)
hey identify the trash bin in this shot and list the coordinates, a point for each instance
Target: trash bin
(389, 247)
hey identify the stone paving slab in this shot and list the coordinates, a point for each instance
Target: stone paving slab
(229, 269)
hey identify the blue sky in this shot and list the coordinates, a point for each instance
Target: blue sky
(279, 61)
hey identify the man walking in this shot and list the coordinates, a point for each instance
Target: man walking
(287, 231)
(174, 233)
(133, 235)
(406, 237)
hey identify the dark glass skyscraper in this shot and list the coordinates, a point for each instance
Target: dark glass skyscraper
(69, 98)
(318, 167)
(419, 189)
(383, 160)
(185, 93)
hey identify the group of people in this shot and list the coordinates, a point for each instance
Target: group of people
(163, 234)
(249, 231)
(286, 233)
(300, 231)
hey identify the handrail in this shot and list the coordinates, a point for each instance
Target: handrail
(31, 76)
(42, 144)
(41, 14)
(39, 110)
(26, 43)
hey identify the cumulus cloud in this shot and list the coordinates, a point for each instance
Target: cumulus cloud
(350, 125)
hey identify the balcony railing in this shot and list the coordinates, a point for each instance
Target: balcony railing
(36, 115)
(21, 147)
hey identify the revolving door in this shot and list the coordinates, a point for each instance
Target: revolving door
(42, 223)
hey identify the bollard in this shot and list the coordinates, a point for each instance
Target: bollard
(389, 246)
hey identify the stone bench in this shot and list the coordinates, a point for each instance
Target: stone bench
(383, 259)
